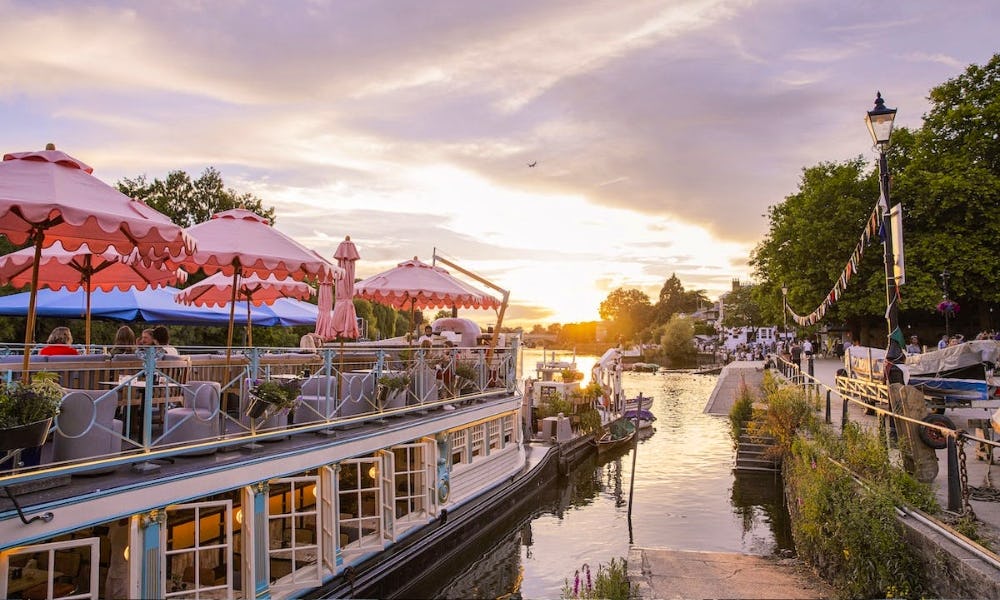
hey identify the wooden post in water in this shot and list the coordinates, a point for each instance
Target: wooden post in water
(631, 483)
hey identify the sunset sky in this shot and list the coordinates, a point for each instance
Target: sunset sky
(662, 130)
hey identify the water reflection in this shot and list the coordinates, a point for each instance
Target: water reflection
(685, 498)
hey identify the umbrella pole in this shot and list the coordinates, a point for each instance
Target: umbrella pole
(249, 325)
(29, 328)
(86, 327)
(232, 317)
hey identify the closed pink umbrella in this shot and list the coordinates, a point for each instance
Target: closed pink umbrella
(64, 270)
(240, 243)
(345, 318)
(49, 196)
(324, 310)
(216, 290)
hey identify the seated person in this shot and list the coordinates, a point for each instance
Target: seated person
(59, 343)
(161, 335)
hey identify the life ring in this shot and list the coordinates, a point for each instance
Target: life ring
(444, 490)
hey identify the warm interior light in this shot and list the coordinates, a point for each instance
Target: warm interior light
(125, 553)
(314, 491)
(373, 472)
(239, 516)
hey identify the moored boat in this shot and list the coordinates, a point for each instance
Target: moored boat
(643, 418)
(619, 434)
(190, 496)
(639, 403)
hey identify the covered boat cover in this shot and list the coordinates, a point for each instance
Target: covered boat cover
(954, 358)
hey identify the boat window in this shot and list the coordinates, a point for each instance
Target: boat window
(494, 433)
(459, 447)
(508, 430)
(477, 434)
(197, 550)
(292, 529)
(410, 481)
(55, 569)
(359, 504)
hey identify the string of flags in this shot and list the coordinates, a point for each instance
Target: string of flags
(873, 228)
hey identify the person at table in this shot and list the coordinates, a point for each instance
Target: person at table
(427, 336)
(124, 341)
(59, 343)
(161, 335)
(914, 346)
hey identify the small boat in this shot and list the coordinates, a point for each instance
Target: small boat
(643, 417)
(641, 367)
(639, 402)
(620, 433)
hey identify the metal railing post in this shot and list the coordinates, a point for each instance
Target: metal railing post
(828, 421)
(843, 415)
(954, 484)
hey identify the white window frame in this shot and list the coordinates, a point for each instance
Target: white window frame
(226, 546)
(92, 543)
(312, 574)
(373, 540)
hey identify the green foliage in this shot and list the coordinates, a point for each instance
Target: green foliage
(554, 405)
(278, 393)
(741, 308)
(788, 413)
(590, 420)
(630, 309)
(188, 202)
(741, 412)
(394, 382)
(610, 583)
(24, 404)
(677, 342)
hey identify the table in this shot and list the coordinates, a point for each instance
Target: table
(29, 578)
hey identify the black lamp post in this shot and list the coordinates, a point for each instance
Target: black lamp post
(784, 315)
(879, 121)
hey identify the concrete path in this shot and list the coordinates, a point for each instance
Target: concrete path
(661, 574)
(732, 377)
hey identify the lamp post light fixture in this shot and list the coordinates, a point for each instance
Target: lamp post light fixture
(879, 121)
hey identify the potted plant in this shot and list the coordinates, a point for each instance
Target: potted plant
(391, 389)
(272, 394)
(466, 375)
(26, 411)
(570, 375)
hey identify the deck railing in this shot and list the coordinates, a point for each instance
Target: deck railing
(198, 402)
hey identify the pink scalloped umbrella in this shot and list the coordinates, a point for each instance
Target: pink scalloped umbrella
(345, 318)
(49, 196)
(64, 270)
(241, 243)
(216, 290)
(417, 285)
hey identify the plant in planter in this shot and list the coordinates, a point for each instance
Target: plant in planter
(570, 375)
(273, 394)
(391, 388)
(466, 374)
(26, 411)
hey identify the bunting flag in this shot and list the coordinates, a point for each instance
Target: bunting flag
(873, 228)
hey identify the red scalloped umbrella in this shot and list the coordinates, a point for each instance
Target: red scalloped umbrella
(241, 243)
(216, 290)
(49, 196)
(64, 270)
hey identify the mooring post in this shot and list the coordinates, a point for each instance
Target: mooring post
(828, 421)
(843, 415)
(954, 485)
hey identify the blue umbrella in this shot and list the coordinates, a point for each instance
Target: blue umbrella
(153, 306)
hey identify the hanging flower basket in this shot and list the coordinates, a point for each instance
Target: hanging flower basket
(948, 307)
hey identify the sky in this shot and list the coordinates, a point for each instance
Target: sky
(660, 131)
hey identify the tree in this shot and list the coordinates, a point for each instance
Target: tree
(189, 202)
(677, 341)
(628, 309)
(741, 310)
(672, 299)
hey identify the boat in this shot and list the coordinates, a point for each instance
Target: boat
(619, 434)
(189, 496)
(949, 377)
(643, 418)
(641, 367)
(639, 403)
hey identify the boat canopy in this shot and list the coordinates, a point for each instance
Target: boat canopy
(952, 358)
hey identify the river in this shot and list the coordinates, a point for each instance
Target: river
(685, 497)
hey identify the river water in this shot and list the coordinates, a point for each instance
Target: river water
(685, 497)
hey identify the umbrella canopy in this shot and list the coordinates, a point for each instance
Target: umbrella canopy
(345, 319)
(216, 290)
(417, 285)
(154, 306)
(49, 196)
(240, 243)
(61, 269)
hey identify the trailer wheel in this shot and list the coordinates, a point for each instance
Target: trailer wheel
(932, 437)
